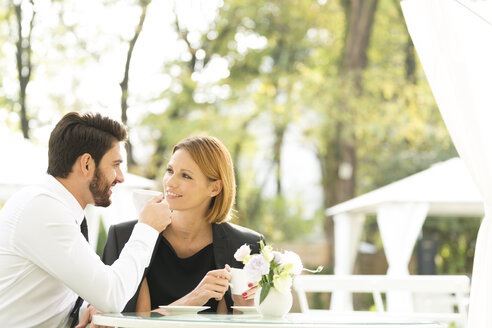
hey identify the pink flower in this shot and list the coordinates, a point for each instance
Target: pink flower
(243, 253)
(257, 266)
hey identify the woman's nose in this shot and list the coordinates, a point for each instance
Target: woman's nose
(169, 180)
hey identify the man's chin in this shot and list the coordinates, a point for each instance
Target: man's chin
(102, 203)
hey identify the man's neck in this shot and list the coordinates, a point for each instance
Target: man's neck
(75, 188)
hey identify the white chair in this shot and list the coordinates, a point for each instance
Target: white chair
(450, 292)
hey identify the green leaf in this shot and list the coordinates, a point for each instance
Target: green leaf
(264, 292)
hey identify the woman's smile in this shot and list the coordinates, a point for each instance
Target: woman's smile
(172, 195)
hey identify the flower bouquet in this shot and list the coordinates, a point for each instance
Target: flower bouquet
(271, 269)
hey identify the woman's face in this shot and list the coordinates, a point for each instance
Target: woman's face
(185, 185)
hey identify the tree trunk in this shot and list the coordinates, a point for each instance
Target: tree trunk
(359, 21)
(410, 62)
(328, 174)
(236, 153)
(124, 83)
(279, 132)
(24, 66)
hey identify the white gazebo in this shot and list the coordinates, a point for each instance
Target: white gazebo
(24, 164)
(445, 189)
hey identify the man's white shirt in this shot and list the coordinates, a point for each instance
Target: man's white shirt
(45, 261)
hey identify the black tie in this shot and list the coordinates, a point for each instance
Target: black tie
(84, 230)
(74, 315)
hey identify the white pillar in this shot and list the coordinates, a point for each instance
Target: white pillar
(348, 229)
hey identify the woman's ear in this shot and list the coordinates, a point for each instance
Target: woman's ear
(216, 188)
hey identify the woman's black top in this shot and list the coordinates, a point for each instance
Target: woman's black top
(170, 277)
(227, 238)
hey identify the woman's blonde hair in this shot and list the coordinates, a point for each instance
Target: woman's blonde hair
(213, 158)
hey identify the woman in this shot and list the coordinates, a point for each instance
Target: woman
(191, 257)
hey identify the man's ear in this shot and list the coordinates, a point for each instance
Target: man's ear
(216, 188)
(86, 164)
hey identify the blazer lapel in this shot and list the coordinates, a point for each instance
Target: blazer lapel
(221, 243)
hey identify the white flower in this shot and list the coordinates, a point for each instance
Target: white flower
(278, 257)
(267, 252)
(256, 267)
(292, 263)
(243, 254)
(282, 282)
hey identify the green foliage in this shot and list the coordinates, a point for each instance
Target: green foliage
(277, 218)
(102, 236)
(456, 239)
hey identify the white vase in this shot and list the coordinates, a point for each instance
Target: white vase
(275, 304)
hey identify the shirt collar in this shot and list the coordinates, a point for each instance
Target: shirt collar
(66, 196)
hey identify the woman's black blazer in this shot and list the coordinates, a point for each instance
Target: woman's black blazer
(227, 238)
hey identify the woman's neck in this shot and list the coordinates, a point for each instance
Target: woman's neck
(188, 234)
(188, 226)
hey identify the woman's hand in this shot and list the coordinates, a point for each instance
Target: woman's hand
(247, 298)
(213, 285)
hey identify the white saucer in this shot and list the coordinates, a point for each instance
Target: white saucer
(181, 309)
(245, 309)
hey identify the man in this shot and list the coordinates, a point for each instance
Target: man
(45, 260)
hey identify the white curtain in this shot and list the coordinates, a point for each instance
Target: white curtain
(400, 225)
(454, 42)
(348, 229)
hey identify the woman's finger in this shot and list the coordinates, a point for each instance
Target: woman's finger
(223, 273)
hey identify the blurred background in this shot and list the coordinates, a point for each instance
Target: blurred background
(317, 101)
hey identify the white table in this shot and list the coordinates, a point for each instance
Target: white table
(291, 320)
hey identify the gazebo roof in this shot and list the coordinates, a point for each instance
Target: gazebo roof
(446, 186)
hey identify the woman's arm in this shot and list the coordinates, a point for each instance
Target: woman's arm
(213, 285)
(222, 307)
(143, 301)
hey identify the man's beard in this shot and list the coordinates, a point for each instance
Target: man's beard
(100, 190)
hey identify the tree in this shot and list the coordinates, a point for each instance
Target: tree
(24, 19)
(338, 156)
(370, 125)
(124, 83)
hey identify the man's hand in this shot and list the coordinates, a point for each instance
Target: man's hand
(87, 317)
(156, 213)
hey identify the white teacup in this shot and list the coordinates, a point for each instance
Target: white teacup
(239, 281)
(141, 197)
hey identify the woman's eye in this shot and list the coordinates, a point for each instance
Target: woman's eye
(168, 170)
(186, 176)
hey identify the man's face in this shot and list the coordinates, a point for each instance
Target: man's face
(107, 175)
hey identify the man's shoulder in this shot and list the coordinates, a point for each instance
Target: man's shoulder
(32, 198)
(32, 191)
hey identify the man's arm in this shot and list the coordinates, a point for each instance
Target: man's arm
(63, 252)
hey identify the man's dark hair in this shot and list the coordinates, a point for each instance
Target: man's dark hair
(77, 134)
